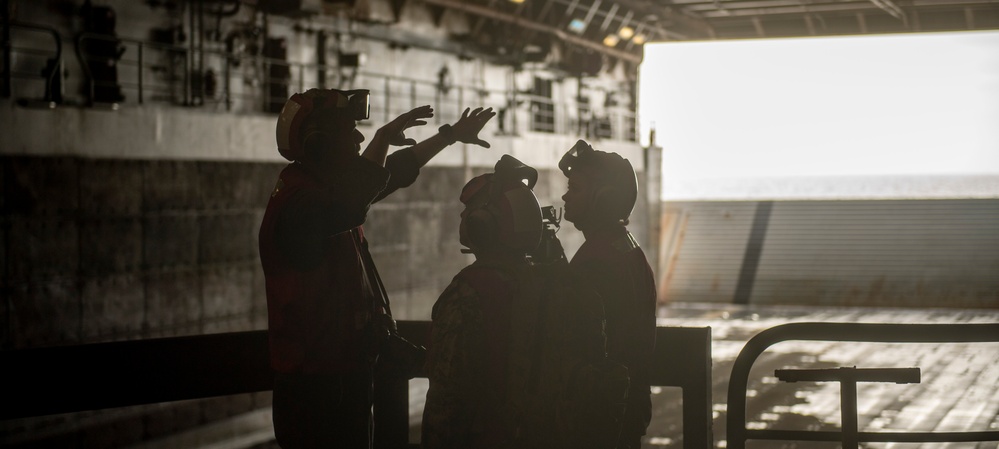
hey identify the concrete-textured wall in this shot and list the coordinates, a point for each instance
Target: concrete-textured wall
(885, 253)
(98, 250)
(109, 249)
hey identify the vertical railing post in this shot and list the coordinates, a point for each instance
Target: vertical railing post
(187, 77)
(848, 410)
(693, 347)
(513, 102)
(301, 78)
(140, 71)
(5, 89)
(388, 103)
(412, 94)
(225, 84)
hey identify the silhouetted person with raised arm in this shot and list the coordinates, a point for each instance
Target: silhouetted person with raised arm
(601, 194)
(328, 313)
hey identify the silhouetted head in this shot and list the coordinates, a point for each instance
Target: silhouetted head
(502, 216)
(319, 126)
(602, 188)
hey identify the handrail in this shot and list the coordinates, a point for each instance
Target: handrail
(848, 377)
(56, 69)
(105, 375)
(144, 57)
(738, 434)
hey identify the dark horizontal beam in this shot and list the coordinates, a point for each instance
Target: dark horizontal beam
(75, 378)
(66, 379)
(874, 437)
(896, 375)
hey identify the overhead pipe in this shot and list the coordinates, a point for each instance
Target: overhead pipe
(532, 25)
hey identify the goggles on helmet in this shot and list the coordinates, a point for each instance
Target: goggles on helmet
(347, 104)
(580, 150)
(356, 103)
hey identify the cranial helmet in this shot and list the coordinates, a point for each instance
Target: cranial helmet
(353, 104)
(616, 185)
(504, 210)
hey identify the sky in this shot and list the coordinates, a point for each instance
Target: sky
(898, 106)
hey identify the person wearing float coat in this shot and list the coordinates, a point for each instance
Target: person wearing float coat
(329, 319)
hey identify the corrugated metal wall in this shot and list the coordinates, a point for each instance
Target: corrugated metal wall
(897, 253)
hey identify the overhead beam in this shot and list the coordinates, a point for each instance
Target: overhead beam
(592, 12)
(767, 8)
(686, 19)
(779, 10)
(532, 25)
(638, 30)
(481, 21)
(809, 25)
(543, 14)
(891, 8)
(568, 13)
(758, 25)
(608, 18)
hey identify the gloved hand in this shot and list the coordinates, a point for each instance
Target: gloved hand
(396, 129)
(467, 128)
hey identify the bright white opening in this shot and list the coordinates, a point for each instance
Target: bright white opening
(896, 116)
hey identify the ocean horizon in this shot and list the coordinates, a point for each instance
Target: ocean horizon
(893, 187)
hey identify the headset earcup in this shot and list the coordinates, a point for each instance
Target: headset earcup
(481, 228)
(611, 202)
(321, 145)
(316, 141)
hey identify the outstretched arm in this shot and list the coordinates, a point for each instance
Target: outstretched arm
(466, 130)
(405, 164)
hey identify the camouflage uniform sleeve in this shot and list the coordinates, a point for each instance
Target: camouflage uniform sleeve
(454, 363)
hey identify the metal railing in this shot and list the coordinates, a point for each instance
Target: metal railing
(107, 375)
(738, 433)
(207, 77)
(50, 74)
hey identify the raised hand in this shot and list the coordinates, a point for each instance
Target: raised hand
(467, 128)
(395, 131)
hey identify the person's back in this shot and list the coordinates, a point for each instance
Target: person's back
(602, 192)
(468, 360)
(613, 265)
(500, 341)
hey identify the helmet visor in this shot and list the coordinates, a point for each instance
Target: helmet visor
(358, 103)
(580, 149)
